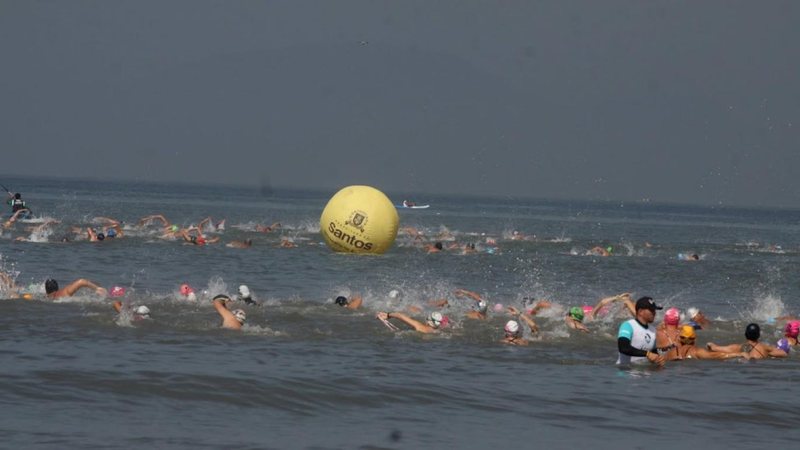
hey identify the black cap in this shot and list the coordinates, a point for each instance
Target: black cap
(647, 303)
(752, 332)
(341, 301)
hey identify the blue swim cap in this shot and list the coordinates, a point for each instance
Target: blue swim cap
(111, 233)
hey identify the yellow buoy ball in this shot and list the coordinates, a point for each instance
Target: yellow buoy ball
(359, 219)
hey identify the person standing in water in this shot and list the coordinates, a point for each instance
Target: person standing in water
(636, 340)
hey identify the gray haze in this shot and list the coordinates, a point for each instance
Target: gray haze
(668, 101)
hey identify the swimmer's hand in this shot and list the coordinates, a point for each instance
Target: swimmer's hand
(101, 292)
(513, 311)
(382, 315)
(655, 358)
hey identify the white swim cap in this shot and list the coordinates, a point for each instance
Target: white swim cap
(240, 315)
(191, 296)
(142, 310)
(512, 327)
(435, 319)
(394, 293)
(482, 307)
(244, 291)
(692, 312)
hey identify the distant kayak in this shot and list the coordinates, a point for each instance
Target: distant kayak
(413, 206)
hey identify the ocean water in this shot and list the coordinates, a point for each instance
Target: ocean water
(305, 373)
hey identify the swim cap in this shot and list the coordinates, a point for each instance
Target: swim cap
(576, 313)
(498, 307)
(27, 296)
(142, 310)
(691, 312)
(200, 240)
(587, 309)
(435, 319)
(394, 293)
(111, 233)
(687, 331)
(482, 307)
(792, 329)
(50, 285)
(100, 236)
(173, 228)
(186, 289)
(672, 316)
(752, 332)
(244, 291)
(512, 327)
(341, 301)
(117, 291)
(784, 345)
(240, 315)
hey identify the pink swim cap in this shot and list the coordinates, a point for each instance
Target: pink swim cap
(672, 316)
(587, 309)
(117, 291)
(498, 307)
(186, 289)
(792, 329)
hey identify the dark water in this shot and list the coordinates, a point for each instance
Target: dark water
(308, 374)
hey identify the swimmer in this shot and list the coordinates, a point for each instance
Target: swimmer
(600, 251)
(53, 292)
(188, 292)
(791, 331)
(247, 243)
(513, 330)
(245, 296)
(625, 298)
(433, 324)
(433, 248)
(636, 339)
(208, 225)
(232, 320)
(667, 342)
(141, 312)
(532, 308)
(753, 348)
(351, 303)
(479, 309)
(269, 229)
(14, 217)
(16, 203)
(697, 319)
(574, 319)
(287, 242)
(688, 350)
(147, 220)
(197, 238)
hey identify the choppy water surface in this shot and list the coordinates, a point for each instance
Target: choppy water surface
(308, 374)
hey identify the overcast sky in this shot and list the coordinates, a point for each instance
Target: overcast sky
(695, 101)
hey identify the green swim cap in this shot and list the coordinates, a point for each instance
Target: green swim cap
(174, 228)
(576, 313)
(610, 249)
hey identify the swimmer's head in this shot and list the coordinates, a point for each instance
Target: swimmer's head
(792, 329)
(587, 309)
(240, 315)
(100, 236)
(111, 233)
(784, 345)
(435, 319)
(173, 228)
(752, 332)
(244, 291)
(672, 316)
(394, 293)
(186, 289)
(200, 240)
(692, 313)
(512, 329)
(576, 313)
(610, 249)
(17, 196)
(438, 245)
(498, 307)
(482, 306)
(142, 311)
(50, 286)
(341, 300)
(687, 332)
(117, 291)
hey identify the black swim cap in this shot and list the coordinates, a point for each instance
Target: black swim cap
(18, 195)
(100, 236)
(752, 332)
(341, 301)
(50, 285)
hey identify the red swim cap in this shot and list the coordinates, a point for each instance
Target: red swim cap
(672, 316)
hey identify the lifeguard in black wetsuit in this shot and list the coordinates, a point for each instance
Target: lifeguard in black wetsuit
(16, 202)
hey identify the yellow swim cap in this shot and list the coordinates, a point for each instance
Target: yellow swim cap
(687, 331)
(27, 296)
